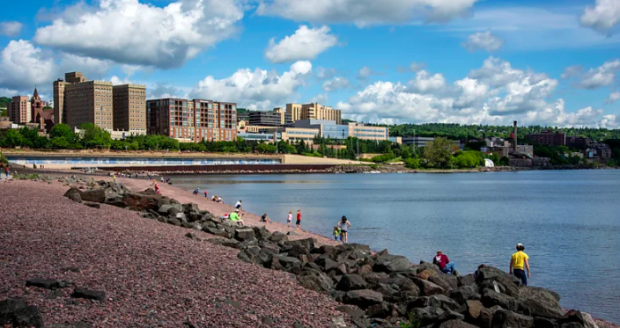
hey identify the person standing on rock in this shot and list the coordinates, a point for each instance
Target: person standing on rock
(344, 226)
(298, 219)
(289, 220)
(520, 262)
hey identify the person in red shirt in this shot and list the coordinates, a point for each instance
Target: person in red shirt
(298, 218)
(444, 264)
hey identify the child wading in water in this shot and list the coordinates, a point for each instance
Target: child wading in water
(337, 234)
(289, 220)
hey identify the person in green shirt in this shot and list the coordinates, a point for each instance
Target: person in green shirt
(234, 217)
(336, 233)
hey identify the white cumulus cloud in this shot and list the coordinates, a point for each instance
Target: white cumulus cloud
(10, 29)
(613, 97)
(130, 32)
(603, 17)
(601, 76)
(255, 89)
(483, 41)
(22, 66)
(305, 44)
(366, 12)
(496, 93)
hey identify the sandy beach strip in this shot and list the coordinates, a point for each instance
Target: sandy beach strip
(152, 274)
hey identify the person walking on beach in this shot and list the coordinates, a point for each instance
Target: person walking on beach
(518, 263)
(7, 170)
(206, 194)
(344, 226)
(238, 205)
(298, 219)
(444, 264)
(289, 220)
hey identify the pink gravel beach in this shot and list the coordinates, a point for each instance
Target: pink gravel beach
(153, 275)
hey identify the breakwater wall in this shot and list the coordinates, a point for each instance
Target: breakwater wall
(226, 168)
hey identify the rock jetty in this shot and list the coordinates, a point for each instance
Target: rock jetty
(377, 289)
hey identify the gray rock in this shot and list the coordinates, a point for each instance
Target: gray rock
(244, 234)
(455, 324)
(351, 282)
(89, 294)
(316, 281)
(503, 318)
(391, 263)
(428, 288)
(74, 194)
(491, 298)
(46, 283)
(363, 298)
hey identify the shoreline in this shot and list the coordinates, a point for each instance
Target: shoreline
(250, 219)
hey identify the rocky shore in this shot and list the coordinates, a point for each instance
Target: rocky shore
(102, 265)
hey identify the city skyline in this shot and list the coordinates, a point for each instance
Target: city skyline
(466, 61)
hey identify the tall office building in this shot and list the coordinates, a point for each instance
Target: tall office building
(129, 107)
(19, 110)
(313, 111)
(89, 102)
(192, 120)
(60, 114)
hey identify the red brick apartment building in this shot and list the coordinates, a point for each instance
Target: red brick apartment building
(192, 120)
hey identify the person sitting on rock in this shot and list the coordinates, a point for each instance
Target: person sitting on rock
(234, 217)
(197, 191)
(444, 264)
(518, 263)
(477, 273)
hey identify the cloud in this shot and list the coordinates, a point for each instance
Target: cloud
(594, 78)
(424, 82)
(413, 67)
(496, 93)
(325, 73)
(366, 72)
(366, 12)
(483, 41)
(130, 32)
(335, 84)
(613, 97)
(22, 66)
(603, 17)
(258, 89)
(610, 121)
(305, 44)
(163, 90)
(10, 29)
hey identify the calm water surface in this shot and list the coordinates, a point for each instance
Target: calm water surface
(568, 220)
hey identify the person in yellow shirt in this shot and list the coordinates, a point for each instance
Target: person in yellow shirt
(519, 263)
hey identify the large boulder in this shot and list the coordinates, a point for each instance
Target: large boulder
(582, 318)
(15, 312)
(428, 288)
(363, 298)
(491, 298)
(139, 202)
(466, 280)
(473, 308)
(437, 301)
(541, 295)
(278, 237)
(391, 263)
(464, 293)
(536, 308)
(507, 319)
(165, 209)
(316, 281)
(290, 264)
(308, 243)
(262, 234)
(455, 324)
(74, 194)
(428, 315)
(242, 234)
(351, 282)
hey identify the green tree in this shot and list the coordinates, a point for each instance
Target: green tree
(412, 163)
(439, 152)
(94, 136)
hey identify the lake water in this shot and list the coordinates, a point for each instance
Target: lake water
(569, 221)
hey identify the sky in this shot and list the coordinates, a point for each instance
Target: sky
(552, 62)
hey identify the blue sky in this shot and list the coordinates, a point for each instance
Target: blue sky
(395, 61)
